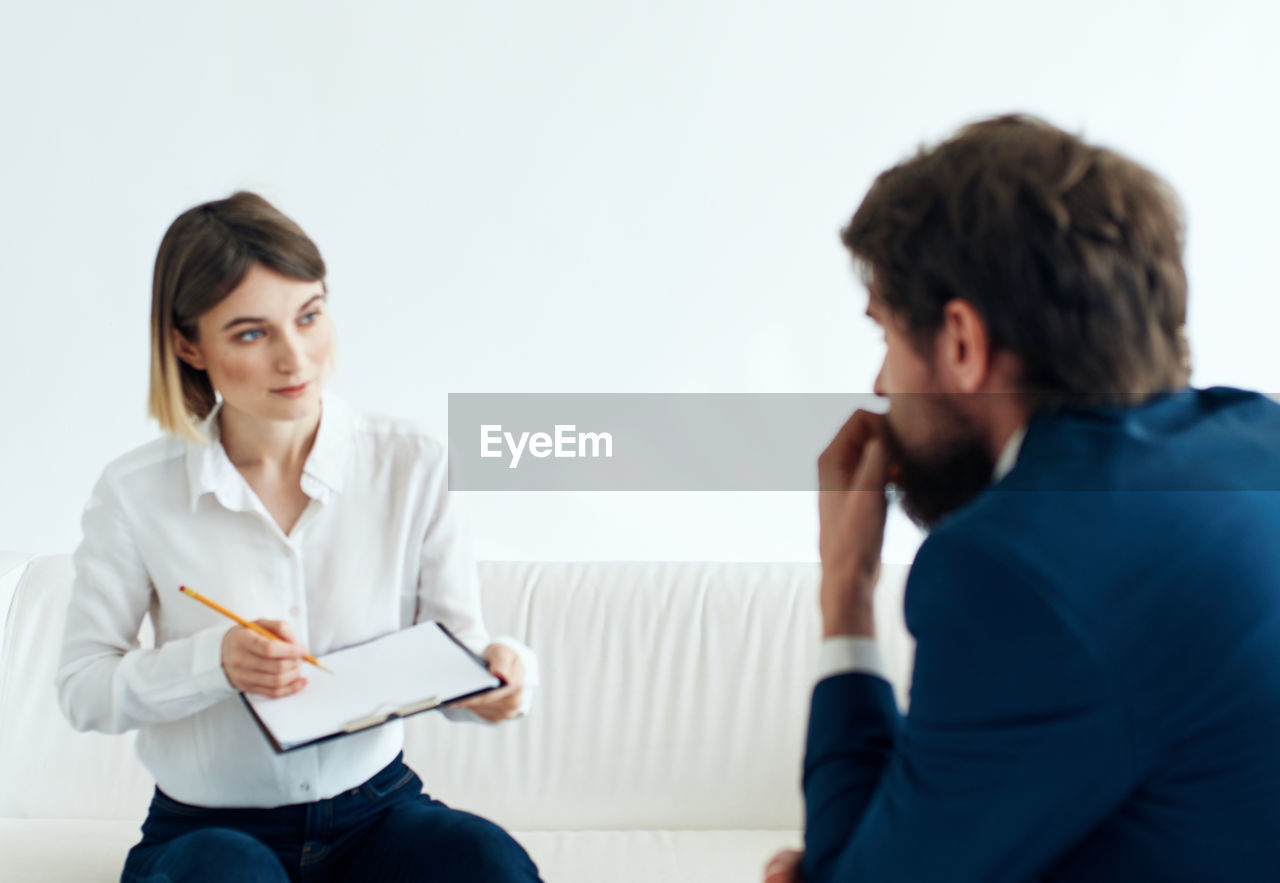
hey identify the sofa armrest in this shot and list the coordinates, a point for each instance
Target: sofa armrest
(12, 566)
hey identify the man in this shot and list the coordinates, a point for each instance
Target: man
(1096, 691)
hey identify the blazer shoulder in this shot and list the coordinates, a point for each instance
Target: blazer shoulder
(975, 569)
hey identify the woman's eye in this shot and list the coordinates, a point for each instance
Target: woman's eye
(308, 318)
(250, 335)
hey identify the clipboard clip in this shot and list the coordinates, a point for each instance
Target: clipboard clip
(381, 717)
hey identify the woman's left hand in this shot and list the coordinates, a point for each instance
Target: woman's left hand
(504, 702)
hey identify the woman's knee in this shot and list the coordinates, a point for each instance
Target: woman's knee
(458, 846)
(489, 851)
(210, 854)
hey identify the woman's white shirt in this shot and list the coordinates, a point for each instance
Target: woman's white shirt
(379, 547)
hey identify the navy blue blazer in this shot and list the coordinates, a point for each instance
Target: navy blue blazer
(1096, 693)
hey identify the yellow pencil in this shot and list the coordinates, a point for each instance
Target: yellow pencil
(192, 593)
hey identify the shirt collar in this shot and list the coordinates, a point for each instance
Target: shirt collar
(1009, 456)
(327, 463)
(210, 470)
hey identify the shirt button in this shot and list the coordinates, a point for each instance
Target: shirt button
(295, 611)
(306, 786)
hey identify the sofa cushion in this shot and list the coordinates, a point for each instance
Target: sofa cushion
(674, 696)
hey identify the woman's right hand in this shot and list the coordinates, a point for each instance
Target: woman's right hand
(255, 664)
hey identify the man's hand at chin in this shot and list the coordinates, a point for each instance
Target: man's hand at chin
(853, 473)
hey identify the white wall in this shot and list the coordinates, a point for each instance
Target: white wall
(571, 196)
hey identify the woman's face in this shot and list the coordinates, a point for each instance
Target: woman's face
(266, 346)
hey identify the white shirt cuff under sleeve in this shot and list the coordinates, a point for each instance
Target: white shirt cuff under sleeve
(206, 661)
(846, 655)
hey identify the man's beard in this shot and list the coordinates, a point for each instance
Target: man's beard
(938, 482)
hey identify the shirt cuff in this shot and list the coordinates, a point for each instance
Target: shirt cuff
(846, 655)
(206, 661)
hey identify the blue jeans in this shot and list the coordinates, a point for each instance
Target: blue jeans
(383, 830)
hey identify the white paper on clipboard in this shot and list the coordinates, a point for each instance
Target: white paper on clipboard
(397, 675)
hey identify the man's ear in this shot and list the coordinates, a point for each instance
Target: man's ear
(964, 350)
(187, 351)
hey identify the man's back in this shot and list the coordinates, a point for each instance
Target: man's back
(1096, 693)
(1149, 541)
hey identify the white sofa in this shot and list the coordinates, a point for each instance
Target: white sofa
(665, 744)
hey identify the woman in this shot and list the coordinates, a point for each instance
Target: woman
(280, 502)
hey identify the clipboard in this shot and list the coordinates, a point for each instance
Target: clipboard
(389, 678)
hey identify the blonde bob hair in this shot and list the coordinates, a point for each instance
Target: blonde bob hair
(204, 255)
